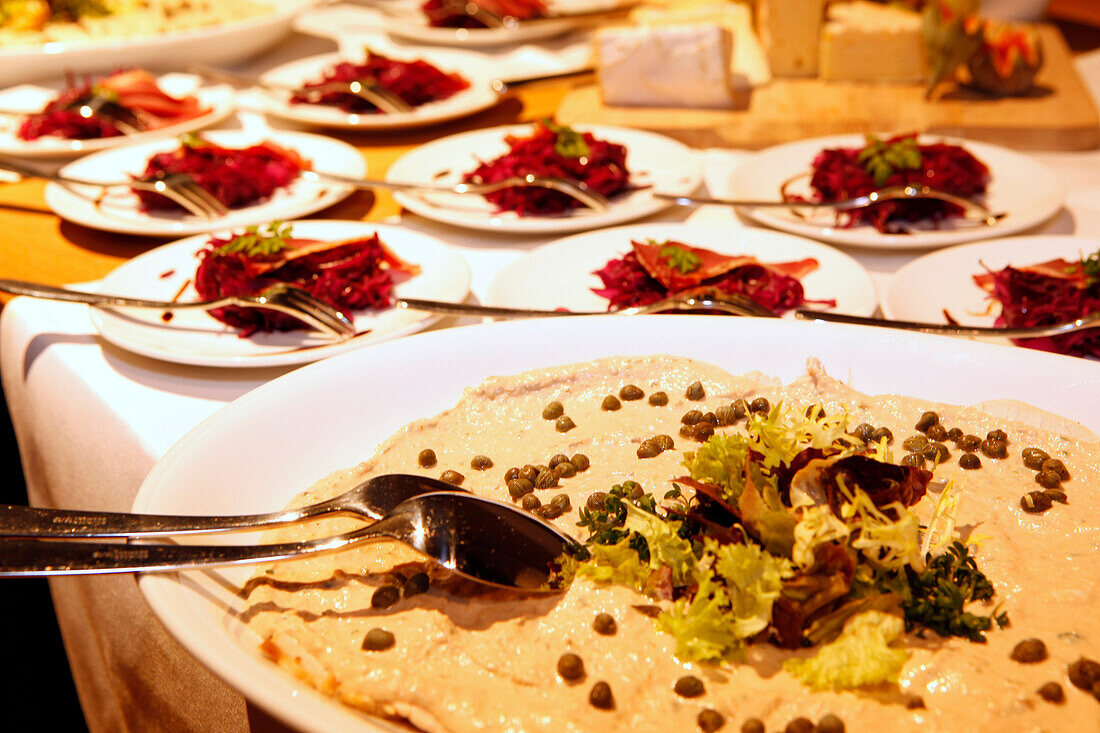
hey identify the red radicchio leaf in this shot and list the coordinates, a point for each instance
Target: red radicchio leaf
(884, 483)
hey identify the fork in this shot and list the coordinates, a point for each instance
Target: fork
(179, 187)
(1091, 320)
(367, 89)
(98, 104)
(288, 299)
(578, 190)
(890, 193)
(733, 304)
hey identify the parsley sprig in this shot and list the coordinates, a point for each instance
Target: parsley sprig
(257, 242)
(568, 142)
(679, 258)
(881, 159)
(939, 596)
(1091, 267)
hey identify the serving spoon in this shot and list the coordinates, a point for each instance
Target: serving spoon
(488, 543)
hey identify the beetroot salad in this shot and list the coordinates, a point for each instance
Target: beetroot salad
(842, 173)
(1046, 293)
(554, 151)
(417, 82)
(352, 274)
(656, 270)
(449, 14)
(236, 177)
(131, 96)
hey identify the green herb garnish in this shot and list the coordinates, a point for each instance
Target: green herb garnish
(1091, 267)
(679, 258)
(940, 595)
(569, 143)
(256, 242)
(883, 159)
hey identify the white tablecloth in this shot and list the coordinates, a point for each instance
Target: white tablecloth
(91, 420)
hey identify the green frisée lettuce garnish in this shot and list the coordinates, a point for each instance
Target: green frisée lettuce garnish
(797, 534)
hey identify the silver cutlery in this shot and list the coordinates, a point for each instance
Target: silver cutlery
(737, 306)
(1092, 320)
(292, 301)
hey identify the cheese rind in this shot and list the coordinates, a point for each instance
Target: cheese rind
(670, 66)
(864, 41)
(790, 31)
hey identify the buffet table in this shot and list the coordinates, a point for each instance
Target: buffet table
(91, 419)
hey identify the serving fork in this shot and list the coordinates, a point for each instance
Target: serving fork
(980, 213)
(179, 187)
(366, 89)
(287, 299)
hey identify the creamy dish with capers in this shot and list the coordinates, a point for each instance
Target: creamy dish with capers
(757, 556)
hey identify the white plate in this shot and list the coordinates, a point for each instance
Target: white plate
(560, 274)
(118, 209)
(404, 19)
(478, 96)
(227, 43)
(943, 281)
(1025, 188)
(219, 100)
(330, 415)
(655, 162)
(193, 337)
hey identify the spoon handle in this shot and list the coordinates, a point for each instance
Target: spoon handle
(37, 557)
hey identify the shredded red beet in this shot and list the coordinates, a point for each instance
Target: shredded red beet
(556, 152)
(236, 177)
(1048, 293)
(838, 174)
(132, 94)
(416, 82)
(448, 14)
(350, 275)
(628, 282)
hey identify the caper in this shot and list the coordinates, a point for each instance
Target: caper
(915, 460)
(710, 720)
(691, 417)
(600, 696)
(799, 725)
(649, 449)
(1035, 502)
(511, 474)
(710, 418)
(702, 432)
(740, 408)
(1084, 674)
(481, 463)
(1057, 495)
(864, 431)
(760, 405)
(546, 479)
(915, 443)
(995, 448)
(530, 502)
(954, 434)
(665, 441)
(881, 434)
(997, 435)
(611, 403)
(385, 596)
(452, 477)
(560, 502)
(695, 391)
(658, 399)
(753, 725)
(689, 686)
(604, 624)
(427, 458)
(1048, 479)
(378, 640)
(557, 459)
(634, 490)
(631, 392)
(1053, 464)
(927, 420)
(570, 667)
(936, 452)
(520, 487)
(580, 462)
(548, 512)
(1052, 692)
(1029, 651)
(596, 500)
(937, 432)
(415, 584)
(969, 462)
(1034, 457)
(914, 702)
(566, 470)
(553, 411)
(686, 431)
(529, 472)
(724, 415)
(829, 723)
(968, 443)
(564, 424)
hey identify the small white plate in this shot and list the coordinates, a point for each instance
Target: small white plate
(476, 97)
(942, 282)
(655, 162)
(560, 274)
(1021, 186)
(31, 98)
(194, 337)
(118, 209)
(404, 19)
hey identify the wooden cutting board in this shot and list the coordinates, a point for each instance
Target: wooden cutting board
(1059, 114)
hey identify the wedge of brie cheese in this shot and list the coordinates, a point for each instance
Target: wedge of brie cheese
(790, 31)
(865, 41)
